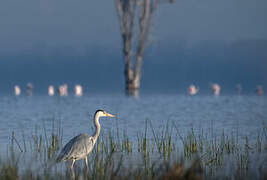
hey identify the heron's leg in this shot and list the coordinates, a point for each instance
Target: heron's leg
(72, 174)
(86, 162)
(72, 163)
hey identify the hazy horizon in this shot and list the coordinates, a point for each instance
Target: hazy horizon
(53, 42)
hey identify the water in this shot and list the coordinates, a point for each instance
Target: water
(242, 115)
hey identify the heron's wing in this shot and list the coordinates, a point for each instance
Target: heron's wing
(77, 147)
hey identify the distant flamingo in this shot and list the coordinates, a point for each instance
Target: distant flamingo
(51, 90)
(17, 90)
(78, 90)
(192, 90)
(260, 90)
(63, 90)
(216, 89)
(29, 89)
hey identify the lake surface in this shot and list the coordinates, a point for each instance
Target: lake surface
(241, 115)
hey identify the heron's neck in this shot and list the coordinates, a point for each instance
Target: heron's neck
(97, 126)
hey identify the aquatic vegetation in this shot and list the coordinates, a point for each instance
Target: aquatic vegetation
(164, 154)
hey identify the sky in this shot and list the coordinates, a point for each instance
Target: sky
(191, 41)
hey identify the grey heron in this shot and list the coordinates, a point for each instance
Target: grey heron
(80, 146)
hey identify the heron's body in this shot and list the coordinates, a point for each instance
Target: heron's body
(80, 146)
(77, 148)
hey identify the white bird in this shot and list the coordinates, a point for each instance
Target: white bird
(80, 146)
(193, 90)
(17, 90)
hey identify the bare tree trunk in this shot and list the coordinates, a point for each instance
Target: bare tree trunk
(127, 14)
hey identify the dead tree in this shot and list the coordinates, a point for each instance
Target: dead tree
(134, 37)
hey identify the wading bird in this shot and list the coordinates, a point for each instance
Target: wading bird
(80, 146)
(17, 90)
(192, 90)
(216, 89)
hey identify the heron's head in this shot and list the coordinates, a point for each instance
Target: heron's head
(102, 113)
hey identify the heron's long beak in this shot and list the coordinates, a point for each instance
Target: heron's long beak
(109, 115)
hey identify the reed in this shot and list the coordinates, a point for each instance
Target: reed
(154, 155)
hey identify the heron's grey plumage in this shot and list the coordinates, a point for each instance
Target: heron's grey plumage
(77, 148)
(81, 145)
